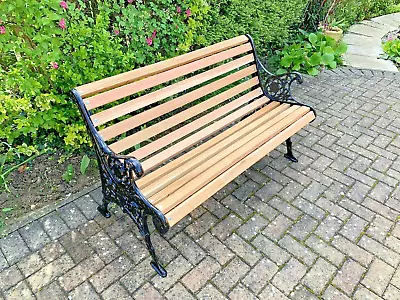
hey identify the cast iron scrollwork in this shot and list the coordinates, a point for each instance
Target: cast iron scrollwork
(117, 173)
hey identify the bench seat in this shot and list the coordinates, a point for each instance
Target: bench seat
(170, 135)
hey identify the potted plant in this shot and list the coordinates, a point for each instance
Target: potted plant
(330, 26)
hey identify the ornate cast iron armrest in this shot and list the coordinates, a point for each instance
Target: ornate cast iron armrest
(278, 87)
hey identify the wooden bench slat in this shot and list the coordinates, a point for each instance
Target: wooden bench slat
(163, 93)
(131, 76)
(187, 114)
(195, 200)
(222, 137)
(202, 134)
(185, 186)
(152, 81)
(151, 114)
(179, 176)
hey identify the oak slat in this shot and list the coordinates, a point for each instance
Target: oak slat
(150, 114)
(195, 200)
(221, 138)
(163, 93)
(152, 81)
(128, 77)
(185, 186)
(179, 176)
(164, 125)
(204, 133)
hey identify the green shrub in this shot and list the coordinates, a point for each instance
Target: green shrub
(392, 50)
(48, 47)
(270, 22)
(315, 52)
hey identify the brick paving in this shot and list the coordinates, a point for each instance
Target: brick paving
(325, 228)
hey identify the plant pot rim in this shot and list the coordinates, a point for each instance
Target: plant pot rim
(334, 29)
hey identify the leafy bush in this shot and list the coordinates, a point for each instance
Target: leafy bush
(270, 22)
(48, 47)
(392, 50)
(313, 53)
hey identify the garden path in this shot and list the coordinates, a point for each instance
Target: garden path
(364, 40)
(327, 227)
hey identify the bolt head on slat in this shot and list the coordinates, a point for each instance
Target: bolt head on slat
(87, 102)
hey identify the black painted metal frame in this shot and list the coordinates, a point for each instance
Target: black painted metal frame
(117, 171)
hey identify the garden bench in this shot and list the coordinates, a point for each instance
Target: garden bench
(168, 136)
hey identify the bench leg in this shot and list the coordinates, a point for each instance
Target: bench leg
(289, 154)
(103, 208)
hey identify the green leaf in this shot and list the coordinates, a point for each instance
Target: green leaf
(341, 48)
(328, 50)
(286, 61)
(7, 209)
(69, 173)
(313, 71)
(84, 164)
(315, 59)
(313, 38)
(333, 65)
(327, 58)
(281, 71)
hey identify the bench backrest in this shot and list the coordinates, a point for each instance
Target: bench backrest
(186, 99)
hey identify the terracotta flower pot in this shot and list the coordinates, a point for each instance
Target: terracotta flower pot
(335, 32)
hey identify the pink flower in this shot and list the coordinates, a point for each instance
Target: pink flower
(54, 65)
(390, 38)
(130, 1)
(64, 4)
(153, 35)
(116, 31)
(149, 41)
(188, 12)
(178, 9)
(62, 24)
(2, 30)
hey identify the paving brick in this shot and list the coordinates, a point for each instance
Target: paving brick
(262, 208)
(81, 272)
(119, 227)
(116, 291)
(209, 292)
(362, 293)
(138, 276)
(13, 247)
(200, 274)
(303, 227)
(392, 293)
(216, 208)
(131, 246)
(384, 210)
(188, 248)
(354, 227)
(72, 216)
(319, 275)
(291, 191)
(236, 205)
(287, 209)
(76, 246)
(3, 262)
(379, 250)
(252, 227)
(87, 206)
(215, 248)
(301, 293)
(245, 190)
(52, 291)
(334, 209)
(352, 250)
(201, 225)
(381, 192)
(272, 293)
(357, 209)
(378, 276)
(176, 269)
(54, 225)
(277, 227)
(325, 250)
(34, 235)
(110, 273)
(83, 292)
(240, 292)
(20, 291)
(88, 229)
(348, 276)
(52, 251)
(309, 208)
(226, 190)
(178, 291)
(269, 190)
(10, 277)
(30, 264)
(243, 249)
(298, 250)
(104, 247)
(393, 243)
(332, 293)
(272, 251)
(230, 275)
(328, 227)
(358, 192)
(49, 272)
(289, 276)
(225, 228)
(379, 228)
(259, 274)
